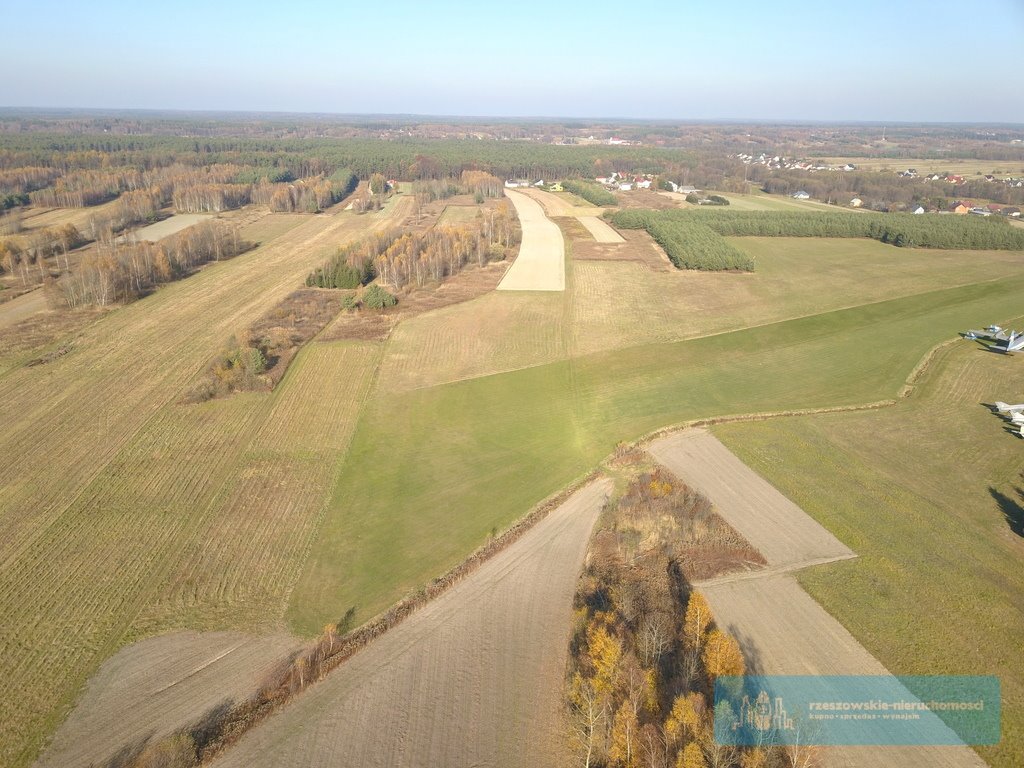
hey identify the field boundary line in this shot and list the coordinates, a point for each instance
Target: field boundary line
(712, 335)
(782, 570)
(200, 668)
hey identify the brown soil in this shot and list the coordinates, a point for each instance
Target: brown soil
(645, 198)
(786, 535)
(155, 686)
(638, 247)
(472, 678)
(42, 329)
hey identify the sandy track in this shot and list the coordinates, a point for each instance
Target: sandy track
(472, 679)
(155, 686)
(540, 265)
(169, 226)
(24, 306)
(600, 230)
(783, 631)
(786, 535)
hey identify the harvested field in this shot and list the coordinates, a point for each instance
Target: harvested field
(169, 226)
(472, 678)
(458, 214)
(151, 688)
(28, 340)
(41, 218)
(273, 496)
(786, 535)
(783, 631)
(144, 472)
(600, 230)
(500, 331)
(540, 265)
(613, 306)
(21, 308)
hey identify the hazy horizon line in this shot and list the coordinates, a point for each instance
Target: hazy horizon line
(15, 110)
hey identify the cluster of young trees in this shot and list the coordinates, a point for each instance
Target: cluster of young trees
(590, 192)
(645, 650)
(689, 243)
(79, 189)
(478, 183)
(118, 271)
(238, 368)
(902, 229)
(210, 198)
(309, 195)
(29, 259)
(645, 654)
(402, 259)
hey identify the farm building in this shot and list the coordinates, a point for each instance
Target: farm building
(919, 209)
(856, 202)
(801, 195)
(961, 207)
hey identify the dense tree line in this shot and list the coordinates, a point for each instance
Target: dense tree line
(478, 183)
(398, 159)
(82, 188)
(308, 195)
(688, 243)
(116, 271)
(590, 192)
(902, 229)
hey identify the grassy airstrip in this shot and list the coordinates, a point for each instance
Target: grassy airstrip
(433, 471)
(927, 494)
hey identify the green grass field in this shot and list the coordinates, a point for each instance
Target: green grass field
(432, 472)
(927, 494)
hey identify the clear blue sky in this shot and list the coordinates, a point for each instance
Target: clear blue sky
(911, 60)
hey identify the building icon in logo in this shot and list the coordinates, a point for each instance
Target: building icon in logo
(762, 715)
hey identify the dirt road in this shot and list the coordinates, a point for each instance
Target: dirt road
(472, 679)
(786, 535)
(600, 230)
(158, 685)
(540, 265)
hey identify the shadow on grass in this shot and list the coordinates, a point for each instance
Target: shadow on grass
(1011, 509)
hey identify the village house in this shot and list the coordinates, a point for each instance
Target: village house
(961, 207)
(801, 195)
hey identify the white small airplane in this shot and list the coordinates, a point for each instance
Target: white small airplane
(1004, 408)
(1017, 417)
(1014, 343)
(993, 332)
